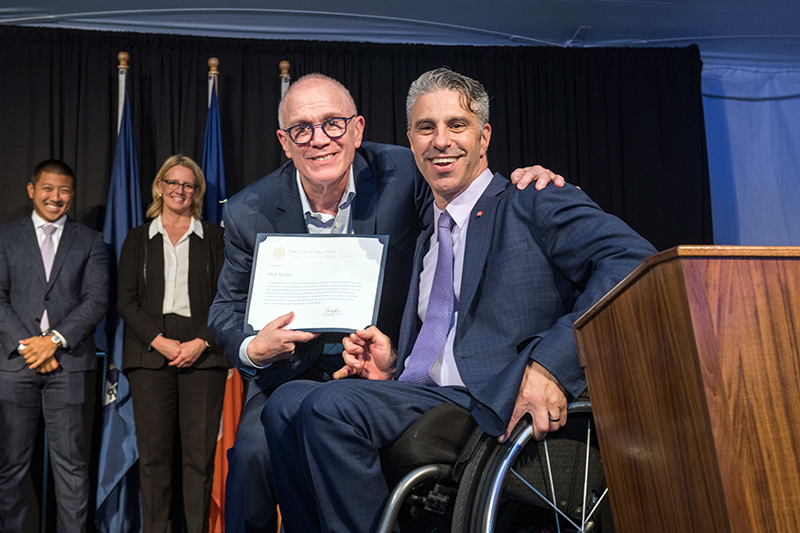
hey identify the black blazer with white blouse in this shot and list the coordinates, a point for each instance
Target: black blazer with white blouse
(140, 294)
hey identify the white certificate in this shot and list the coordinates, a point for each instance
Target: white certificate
(329, 282)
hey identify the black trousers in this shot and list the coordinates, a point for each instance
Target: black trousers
(167, 403)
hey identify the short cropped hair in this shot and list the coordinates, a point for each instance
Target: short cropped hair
(474, 97)
(157, 207)
(309, 77)
(52, 166)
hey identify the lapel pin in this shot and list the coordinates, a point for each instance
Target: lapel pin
(479, 213)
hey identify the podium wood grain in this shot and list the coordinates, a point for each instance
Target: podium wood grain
(693, 363)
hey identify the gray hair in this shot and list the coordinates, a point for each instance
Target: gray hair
(309, 77)
(473, 96)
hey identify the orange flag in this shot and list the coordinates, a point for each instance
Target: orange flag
(228, 424)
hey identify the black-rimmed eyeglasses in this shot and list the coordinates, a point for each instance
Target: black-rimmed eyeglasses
(333, 127)
(172, 185)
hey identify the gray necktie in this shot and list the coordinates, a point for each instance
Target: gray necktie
(439, 314)
(48, 250)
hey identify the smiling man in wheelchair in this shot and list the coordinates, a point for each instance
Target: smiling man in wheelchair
(500, 276)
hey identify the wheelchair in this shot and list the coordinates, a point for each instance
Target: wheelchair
(449, 476)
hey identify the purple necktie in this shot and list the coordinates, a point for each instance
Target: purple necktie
(439, 314)
(48, 250)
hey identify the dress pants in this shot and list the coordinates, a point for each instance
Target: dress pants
(324, 442)
(60, 396)
(170, 402)
(249, 492)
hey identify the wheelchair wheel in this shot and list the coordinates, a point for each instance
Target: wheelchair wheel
(524, 486)
(470, 483)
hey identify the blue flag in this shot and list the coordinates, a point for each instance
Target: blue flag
(213, 164)
(118, 500)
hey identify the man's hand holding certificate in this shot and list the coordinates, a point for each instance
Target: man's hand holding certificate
(326, 282)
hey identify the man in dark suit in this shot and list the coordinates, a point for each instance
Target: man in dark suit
(487, 326)
(333, 183)
(53, 292)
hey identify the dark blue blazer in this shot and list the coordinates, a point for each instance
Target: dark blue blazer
(390, 197)
(76, 296)
(534, 262)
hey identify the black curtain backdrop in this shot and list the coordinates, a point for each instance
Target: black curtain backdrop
(625, 124)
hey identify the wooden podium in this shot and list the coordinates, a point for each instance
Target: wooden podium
(693, 365)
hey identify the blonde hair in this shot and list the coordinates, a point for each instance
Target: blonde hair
(157, 207)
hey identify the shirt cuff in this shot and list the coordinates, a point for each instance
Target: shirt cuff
(244, 358)
(64, 343)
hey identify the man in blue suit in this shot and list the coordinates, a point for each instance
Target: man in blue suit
(333, 183)
(53, 292)
(499, 277)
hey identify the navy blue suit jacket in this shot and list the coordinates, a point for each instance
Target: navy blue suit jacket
(76, 296)
(390, 197)
(534, 262)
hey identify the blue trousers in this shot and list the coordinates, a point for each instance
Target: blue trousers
(249, 493)
(324, 442)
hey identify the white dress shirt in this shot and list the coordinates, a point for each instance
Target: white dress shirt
(39, 223)
(176, 267)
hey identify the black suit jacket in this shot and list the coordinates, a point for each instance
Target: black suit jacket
(140, 294)
(76, 296)
(390, 196)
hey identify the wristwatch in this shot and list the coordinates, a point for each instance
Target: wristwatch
(56, 338)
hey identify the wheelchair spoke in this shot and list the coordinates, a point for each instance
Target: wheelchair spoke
(586, 470)
(596, 506)
(552, 488)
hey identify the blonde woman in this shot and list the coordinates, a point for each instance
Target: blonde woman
(167, 280)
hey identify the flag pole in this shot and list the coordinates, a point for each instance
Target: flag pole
(213, 164)
(213, 74)
(122, 73)
(286, 79)
(117, 503)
